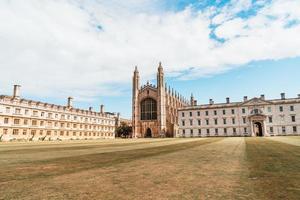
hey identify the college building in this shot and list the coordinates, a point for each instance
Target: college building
(251, 117)
(22, 119)
(155, 107)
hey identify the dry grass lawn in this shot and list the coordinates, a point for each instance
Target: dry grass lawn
(202, 168)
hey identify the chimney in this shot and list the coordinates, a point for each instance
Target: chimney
(299, 96)
(245, 98)
(16, 93)
(102, 108)
(227, 100)
(70, 102)
(211, 101)
(262, 97)
(195, 102)
(282, 96)
(90, 109)
(192, 100)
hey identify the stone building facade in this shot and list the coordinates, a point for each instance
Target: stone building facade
(155, 108)
(254, 117)
(22, 119)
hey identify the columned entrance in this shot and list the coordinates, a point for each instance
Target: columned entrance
(258, 123)
(258, 129)
(148, 133)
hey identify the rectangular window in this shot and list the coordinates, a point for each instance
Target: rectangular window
(17, 111)
(244, 120)
(49, 124)
(24, 132)
(216, 121)
(269, 109)
(192, 132)
(225, 131)
(270, 119)
(199, 122)
(25, 121)
(48, 133)
(293, 118)
(207, 131)
(215, 112)
(198, 113)
(216, 131)
(280, 108)
(199, 132)
(5, 131)
(6, 120)
(191, 114)
(41, 123)
(7, 110)
(294, 129)
(234, 130)
(245, 130)
(292, 108)
(207, 121)
(15, 131)
(233, 120)
(232, 111)
(206, 113)
(35, 113)
(183, 123)
(224, 112)
(34, 122)
(33, 132)
(42, 114)
(224, 121)
(283, 129)
(191, 122)
(26, 112)
(271, 130)
(243, 110)
(16, 121)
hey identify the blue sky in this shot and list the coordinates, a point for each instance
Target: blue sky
(265, 77)
(88, 49)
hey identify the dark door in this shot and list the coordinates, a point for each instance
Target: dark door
(148, 133)
(258, 129)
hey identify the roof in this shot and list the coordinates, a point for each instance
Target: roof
(253, 101)
(49, 105)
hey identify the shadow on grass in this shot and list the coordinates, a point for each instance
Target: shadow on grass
(74, 164)
(274, 169)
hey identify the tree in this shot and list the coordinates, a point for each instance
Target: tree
(124, 130)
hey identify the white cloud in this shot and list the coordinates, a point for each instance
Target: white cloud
(89, 48)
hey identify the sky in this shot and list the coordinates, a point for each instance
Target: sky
(88, 49)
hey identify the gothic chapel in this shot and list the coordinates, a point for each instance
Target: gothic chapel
(155, 108)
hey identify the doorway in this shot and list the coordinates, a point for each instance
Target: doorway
(258, 130)
(148, 133)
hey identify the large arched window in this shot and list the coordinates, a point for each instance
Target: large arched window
(148, 109)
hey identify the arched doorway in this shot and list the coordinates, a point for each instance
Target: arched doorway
(148, 133)
(258, 130)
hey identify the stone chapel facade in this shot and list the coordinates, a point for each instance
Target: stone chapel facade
(155, 108)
